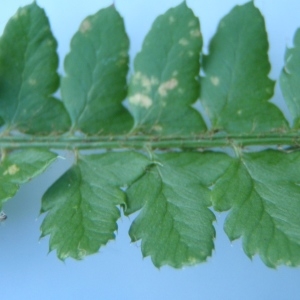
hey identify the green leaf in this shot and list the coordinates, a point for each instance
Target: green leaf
(164, 84)
(81, 205)
(175, 224)
(28, 63)
(19, 167)
(290, 79)
(236, 88)
(96, 68)
(174, 188)
(262, 189)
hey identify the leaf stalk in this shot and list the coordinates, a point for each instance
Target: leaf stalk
(204, 141)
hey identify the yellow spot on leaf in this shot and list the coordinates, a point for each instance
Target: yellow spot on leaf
(123, 53)
(81, 252)
(191, 53)
(171, 19)
(195, 33)
(85, 26)
(289, 58)
(192, 23)
(287, 70)
(183, 42)
(144, 81)
(215, 80)
(49, 42)
(192, 260)
(32, 81)
(239, 112)
(23, 12)
(167, 86)
(11, 170)
(157, 128)
(140, 100)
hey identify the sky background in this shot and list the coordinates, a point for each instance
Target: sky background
(119, 271)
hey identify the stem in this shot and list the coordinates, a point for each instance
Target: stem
(153, 142)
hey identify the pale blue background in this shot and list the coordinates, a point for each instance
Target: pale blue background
(119, 272)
